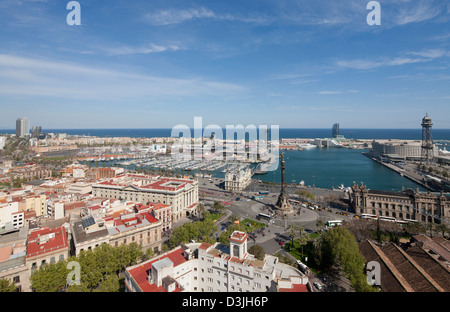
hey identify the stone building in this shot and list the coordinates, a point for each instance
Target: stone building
(403, 205)
(237, 180)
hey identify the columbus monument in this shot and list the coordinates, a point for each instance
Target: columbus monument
(283, 206)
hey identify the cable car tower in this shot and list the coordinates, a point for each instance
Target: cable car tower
(427, 155)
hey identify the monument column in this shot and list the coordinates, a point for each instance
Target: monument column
(283, 201)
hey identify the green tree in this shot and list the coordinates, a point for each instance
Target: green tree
(320, 224)
(257, 251)
(7, 286)
(339, 248)
(225, 235)
(198, 230)
(218, 206)
(442, 228)
(50, 278)
(304, 194)
(110, 283)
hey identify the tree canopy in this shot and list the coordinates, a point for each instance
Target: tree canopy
(99, 268)
(339, 247)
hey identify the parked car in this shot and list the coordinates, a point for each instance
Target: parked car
(317, 285)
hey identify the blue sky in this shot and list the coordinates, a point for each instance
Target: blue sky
(152, 64)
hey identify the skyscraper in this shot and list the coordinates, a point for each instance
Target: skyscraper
(22, 127)
(335, 130)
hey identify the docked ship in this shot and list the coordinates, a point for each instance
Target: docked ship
(306, 146)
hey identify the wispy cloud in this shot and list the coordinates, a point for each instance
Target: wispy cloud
(177, 16)
(409, 57)
(365, 64)
(38, 77)
(145, 49)
(336, 92)
(419, 11)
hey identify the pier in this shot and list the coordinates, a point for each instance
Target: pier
(407, 171)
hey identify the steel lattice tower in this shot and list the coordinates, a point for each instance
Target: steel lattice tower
(427, 141)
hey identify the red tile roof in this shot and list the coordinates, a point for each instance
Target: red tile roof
(36, 246)
(141, 272)
(295, 288)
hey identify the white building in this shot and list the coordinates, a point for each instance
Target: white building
(399, 149)
(10, 215)
(237, 180)
(214, 268)
(2, 142)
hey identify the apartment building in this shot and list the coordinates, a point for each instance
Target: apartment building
(201, 267)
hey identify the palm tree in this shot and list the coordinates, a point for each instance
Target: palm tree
(320, 224)
(201, 209)
(430, 227)
(442, 228)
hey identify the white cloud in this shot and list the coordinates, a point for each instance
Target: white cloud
(418, 12)
(367, 64)
(147, 49)
(433, 53)
(336, 92)
(22, 76)
(176, 16)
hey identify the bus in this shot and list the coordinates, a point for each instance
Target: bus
(258, 197)
(263, 192)
(409, 221)
(334, 222)
(389, 219)
(368, 216)
(263, 216)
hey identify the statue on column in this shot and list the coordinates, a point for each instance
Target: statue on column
(283, 201)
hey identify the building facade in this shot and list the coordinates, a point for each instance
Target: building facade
(404, 205)
(22, 127)
(180, 194)
(237, 180)
(406, 150)
(202, 267)
(46, 246)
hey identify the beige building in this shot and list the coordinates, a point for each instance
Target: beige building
(180, 194)
(405, 205)
(46, 246)
(31, 172)
(12, 264)
(399, 149)
(37, 203)
(124, 227)
(237, 180)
